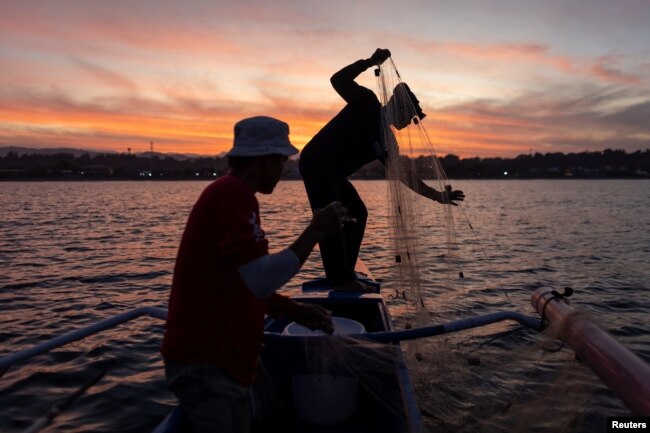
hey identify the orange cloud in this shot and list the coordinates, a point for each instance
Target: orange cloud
(523, 55)
(193, 112)
(204, 127)
(106, 76)
(606, 69)
(48, 119)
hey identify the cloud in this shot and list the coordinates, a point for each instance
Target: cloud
(554, 120)
(113, 122)
(182, 74)
(605, 68)
(634, 119)
(597, 118)
(182, 123)
(517, 56)
(106, 76)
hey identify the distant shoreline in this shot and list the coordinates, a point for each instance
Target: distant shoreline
(608, 164)
(353, 179)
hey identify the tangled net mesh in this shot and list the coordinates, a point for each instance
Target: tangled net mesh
(465, 381)
(495, 378)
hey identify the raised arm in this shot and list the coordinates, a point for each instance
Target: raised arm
(343, 80)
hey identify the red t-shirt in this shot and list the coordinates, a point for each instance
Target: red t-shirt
(213, 317)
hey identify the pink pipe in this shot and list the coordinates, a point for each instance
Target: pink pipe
(627, 375)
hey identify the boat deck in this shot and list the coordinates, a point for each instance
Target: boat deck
(376, 411)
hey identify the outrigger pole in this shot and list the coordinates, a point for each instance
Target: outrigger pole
(455, 326)
(627, 375)
(79, 334)
(56, 410)
(431, 331)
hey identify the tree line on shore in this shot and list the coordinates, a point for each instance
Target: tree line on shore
(63, 165)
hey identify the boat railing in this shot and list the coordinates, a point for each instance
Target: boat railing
(388, 336)
(627, 375)
(80, 334)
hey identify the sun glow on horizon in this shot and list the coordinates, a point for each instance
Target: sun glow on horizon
(91, 76)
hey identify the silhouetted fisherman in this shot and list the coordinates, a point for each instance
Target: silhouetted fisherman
(346, 143)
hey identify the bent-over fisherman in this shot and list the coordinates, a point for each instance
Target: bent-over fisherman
(346, 143)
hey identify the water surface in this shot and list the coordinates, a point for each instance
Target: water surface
(72, 253)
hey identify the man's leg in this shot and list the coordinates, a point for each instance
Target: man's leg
(210, 399)
(321, 191)
(354, 230)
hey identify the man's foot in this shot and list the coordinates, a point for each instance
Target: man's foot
(354, 286)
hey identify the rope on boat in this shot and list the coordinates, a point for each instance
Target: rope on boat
(568, 291)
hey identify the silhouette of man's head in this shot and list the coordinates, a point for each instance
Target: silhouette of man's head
(403, 106)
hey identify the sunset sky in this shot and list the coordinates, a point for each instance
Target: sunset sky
(496, 78)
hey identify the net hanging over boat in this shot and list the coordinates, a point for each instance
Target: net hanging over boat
(418, 225)
(441, 273)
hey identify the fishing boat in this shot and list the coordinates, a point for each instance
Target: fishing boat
(306, 398)
(310, 396)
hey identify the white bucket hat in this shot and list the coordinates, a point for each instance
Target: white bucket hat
(261, 135)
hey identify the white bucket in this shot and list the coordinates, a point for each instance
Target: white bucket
(342, 326)
(324, 399)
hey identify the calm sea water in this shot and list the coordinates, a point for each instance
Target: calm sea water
(72, 253)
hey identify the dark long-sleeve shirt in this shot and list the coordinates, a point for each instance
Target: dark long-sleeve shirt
(348, 141)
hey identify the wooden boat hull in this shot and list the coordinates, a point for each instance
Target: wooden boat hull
(376, 411)
(284, 358)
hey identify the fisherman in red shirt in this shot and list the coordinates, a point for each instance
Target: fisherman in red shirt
(225, 281)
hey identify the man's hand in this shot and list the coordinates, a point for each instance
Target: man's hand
(330, 219)
(313, 317)
(326, 221)
(449, 197)
(379, 56)
(445, 197)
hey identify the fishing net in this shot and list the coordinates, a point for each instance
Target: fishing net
(465, 381)
(364, 369)
(495, 378)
